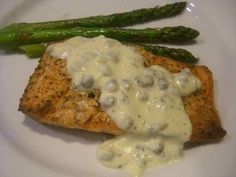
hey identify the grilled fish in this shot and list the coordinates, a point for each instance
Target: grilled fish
(49, 98)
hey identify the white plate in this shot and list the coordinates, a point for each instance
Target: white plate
(28, 148)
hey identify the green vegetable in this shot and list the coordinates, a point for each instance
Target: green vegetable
(36, 50)
(177, 54)
(114, 20)
(178, 34)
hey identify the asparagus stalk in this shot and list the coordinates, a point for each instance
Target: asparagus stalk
(174, 53)
(178, 34)
(37, 50)
(114, 20)
(34, 50)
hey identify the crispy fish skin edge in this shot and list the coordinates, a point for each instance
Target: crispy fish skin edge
(48, 98)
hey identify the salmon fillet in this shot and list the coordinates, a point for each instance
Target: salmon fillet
(49, 99)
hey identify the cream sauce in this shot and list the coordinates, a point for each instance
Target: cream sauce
(146, 102)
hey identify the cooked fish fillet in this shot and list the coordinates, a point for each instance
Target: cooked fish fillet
(49, 98)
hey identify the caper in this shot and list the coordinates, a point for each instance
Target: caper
(106, 155)
(162, 84)
(155, 145)
(108, 101)
(111, 85)
(125, 122)
(125, 84)
(142, 96)
(143, 81)
(157, 149)
(123, 97)
(87, 81)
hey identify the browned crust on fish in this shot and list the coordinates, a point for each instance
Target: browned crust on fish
(49, 99)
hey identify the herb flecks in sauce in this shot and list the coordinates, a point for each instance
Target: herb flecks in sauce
(146, 102)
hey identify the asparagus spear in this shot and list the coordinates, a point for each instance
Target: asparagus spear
(175, 53)
(178, 34)
(36, 50)
(114, 20)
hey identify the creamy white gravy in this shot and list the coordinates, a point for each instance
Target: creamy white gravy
(144, 101)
